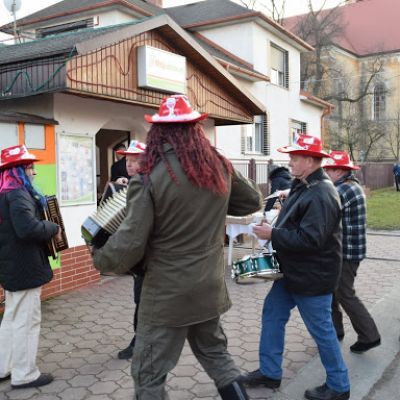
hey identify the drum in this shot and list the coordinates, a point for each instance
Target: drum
(243, 268)
(265, 264)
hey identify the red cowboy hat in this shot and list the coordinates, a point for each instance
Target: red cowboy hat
(16, 155)
(340, 160)
(175, 109)
(305, 145)
(135, 148)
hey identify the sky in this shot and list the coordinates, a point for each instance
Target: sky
(293, 7)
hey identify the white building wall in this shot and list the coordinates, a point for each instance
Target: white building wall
(113, 17)
(84, 116)
(252, 43)
(234, 40)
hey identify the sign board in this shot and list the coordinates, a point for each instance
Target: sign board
(161, 70)
(76, 169)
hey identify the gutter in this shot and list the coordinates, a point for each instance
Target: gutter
(234, 69)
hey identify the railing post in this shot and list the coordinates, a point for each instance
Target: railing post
(252, 170)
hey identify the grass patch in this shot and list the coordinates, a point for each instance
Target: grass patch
(383, 209)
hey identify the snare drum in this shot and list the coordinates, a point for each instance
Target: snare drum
(265, 263)
(243, 268)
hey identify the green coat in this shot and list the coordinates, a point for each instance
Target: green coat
(179, 230)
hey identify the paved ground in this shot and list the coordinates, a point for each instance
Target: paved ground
(82, 332)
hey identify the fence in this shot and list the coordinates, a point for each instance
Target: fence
(373, 175)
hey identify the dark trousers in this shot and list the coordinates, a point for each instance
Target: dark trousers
(397, 182)
(157, 351)
(346, 297)
(137, 290)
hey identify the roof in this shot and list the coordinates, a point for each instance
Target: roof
(310, 98)
(215, 12)
(370, 27)
(194, 13)
(65, 43)
(53, 45)
(68, 7)
(91, 39)
(11, 116)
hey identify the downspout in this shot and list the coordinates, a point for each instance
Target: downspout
(324, 133)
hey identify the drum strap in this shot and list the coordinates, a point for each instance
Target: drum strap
(293, 201)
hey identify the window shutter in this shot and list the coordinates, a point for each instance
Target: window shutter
(286, 69)
(242, 141)
(266, 142)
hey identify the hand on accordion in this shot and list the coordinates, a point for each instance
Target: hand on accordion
(58, 236)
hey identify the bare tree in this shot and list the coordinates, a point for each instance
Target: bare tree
(273, 8)
(394, 137)
(325, 76)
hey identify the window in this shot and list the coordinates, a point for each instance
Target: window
(379, 103)
(296, 128)
(9, 134)
(279, 66)
(68, 27)
(35, 136)
(255, 138)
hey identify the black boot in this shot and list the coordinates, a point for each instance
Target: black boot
(127, 353)
(233, 391)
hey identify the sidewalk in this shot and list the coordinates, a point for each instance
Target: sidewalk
(82, 332)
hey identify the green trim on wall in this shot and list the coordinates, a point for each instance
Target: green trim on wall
(46, 179)
(46, 183)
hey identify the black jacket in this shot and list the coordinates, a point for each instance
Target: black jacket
(23, 256)
(280, 179)
(309, 242)
(118, 170)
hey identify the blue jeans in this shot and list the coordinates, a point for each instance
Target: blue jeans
(316, 314)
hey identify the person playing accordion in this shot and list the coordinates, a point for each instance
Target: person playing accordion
(24, 267)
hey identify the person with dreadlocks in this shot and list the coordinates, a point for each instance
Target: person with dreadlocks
(176, 210)
(24, 267)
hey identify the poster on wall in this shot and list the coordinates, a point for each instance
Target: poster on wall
(76, 169)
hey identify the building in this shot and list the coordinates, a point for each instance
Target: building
(72, 95)
(273, 52)
(364, 62)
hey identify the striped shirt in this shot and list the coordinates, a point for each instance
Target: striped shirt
(354, 216)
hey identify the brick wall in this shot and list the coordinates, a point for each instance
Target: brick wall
(76, 271)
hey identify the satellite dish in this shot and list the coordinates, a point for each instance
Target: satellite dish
(12, 5)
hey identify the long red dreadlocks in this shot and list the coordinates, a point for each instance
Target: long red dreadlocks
(200, 161)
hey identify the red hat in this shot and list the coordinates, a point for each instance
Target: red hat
(16, 155)
(135, 148)
(305, 145)
(174, 109)
(340, 160)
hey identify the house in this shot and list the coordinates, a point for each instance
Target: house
(364, 60)
(274, 53)
(73, 93)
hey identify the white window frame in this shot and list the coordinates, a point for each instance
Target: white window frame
(296, 128)
(279, 74)
(379, 102)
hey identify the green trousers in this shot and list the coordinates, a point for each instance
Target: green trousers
(158, 348)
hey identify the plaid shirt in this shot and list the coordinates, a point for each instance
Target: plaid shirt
(354, 221)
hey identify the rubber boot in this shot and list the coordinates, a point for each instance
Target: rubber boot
(233, 391)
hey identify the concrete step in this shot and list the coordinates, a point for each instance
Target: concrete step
(365, 369)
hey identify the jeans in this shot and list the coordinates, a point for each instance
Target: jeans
(316, 314)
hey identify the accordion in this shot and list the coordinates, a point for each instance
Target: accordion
(51, 212)
(98, 227)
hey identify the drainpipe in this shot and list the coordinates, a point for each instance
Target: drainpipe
(327, 111)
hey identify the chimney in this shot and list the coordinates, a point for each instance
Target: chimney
(158, 3)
